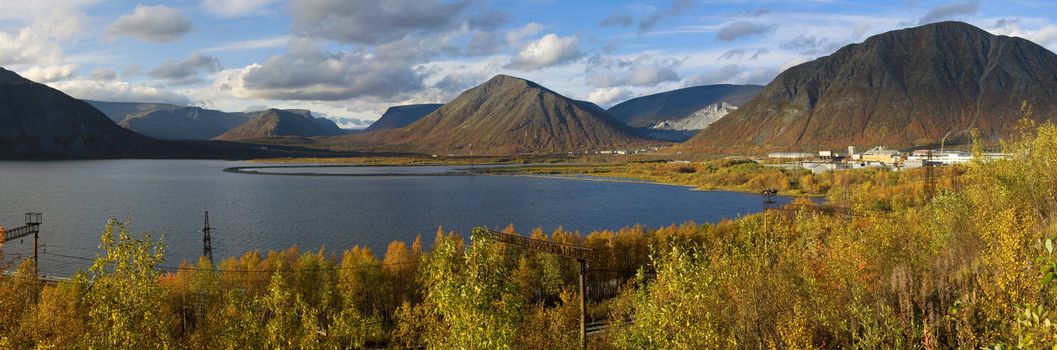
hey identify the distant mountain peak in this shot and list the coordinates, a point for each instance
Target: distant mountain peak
(506, 115)
(277, 122)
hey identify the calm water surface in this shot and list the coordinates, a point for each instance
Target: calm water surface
(273, 212)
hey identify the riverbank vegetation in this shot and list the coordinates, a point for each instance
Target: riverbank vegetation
(972, 267)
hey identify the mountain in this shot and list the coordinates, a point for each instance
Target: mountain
(508, 115)
(38, 121)
(902, 88)
(118, 111)
(692, 108)
(400, 116)
(184, 123)
(276, 122)
(171, 122)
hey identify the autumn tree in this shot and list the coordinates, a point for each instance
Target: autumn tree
(125, 302)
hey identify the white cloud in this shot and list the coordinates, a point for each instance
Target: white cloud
(642, 70)
(550, 50)
(30, 10)
(237, 8)
(38, 43)
(47, 74)
(152, 24)
(118, 91)
(307, 73)
(518, 36)
(606, 97)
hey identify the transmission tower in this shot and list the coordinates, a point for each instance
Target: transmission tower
(207, 245)
(930, 178)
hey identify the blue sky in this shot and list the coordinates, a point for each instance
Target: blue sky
(351, 59)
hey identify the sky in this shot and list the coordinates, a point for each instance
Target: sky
(349, 60)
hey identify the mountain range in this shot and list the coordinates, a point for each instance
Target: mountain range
(902, 88)
(39, 122)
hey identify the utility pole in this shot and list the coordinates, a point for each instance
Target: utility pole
(583, 304)
(207, 245)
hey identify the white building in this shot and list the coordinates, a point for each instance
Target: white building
(790, 155)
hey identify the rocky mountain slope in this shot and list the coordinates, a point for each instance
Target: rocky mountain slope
(508, 115)
(901, 88)
(692, 108)
(276, 122)
(38, 121)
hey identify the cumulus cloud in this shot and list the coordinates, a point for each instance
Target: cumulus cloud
(606, 97)
(152, 24)
(47, 74)
(371, 21)
(617, 20)
(186, 71)
(742, 29)
(644, 70)
(38, 43)
(236, 8)
(119, 91)
(949, 11)
(307, 73)
(550, 50)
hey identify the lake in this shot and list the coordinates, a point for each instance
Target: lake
(249, 211)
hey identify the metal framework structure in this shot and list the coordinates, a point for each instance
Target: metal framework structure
(930, 177)
(581, 254)
(207, 241)
(32, 227)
